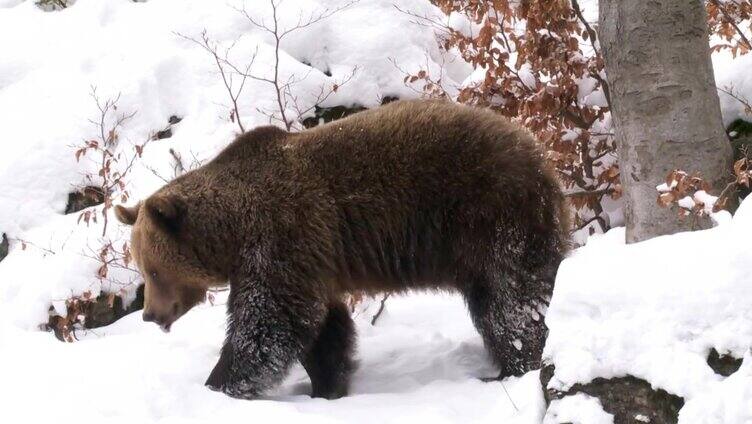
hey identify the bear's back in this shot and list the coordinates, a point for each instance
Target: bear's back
(420, 150)
(408, 177)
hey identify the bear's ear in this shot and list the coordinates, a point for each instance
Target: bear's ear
(127, 215)
(166, 210)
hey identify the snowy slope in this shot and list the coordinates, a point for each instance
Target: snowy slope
(52, 59)
(135, 50)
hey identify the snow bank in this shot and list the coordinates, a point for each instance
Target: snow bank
(654, 310)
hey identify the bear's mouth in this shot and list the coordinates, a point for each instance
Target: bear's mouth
(165, 327)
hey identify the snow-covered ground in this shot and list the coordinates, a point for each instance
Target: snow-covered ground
(652, 310)
(419, 363)
(423, 358)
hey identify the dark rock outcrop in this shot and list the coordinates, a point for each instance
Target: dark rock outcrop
(3, 246)
(84, 198)
(167, 131)
(323, 115)
(630, 400)
(98, 312)
(724, 365)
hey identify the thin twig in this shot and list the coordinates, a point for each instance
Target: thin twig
(593, 36)
(282, 90)
(730, 92)
(206, 44)
(381, 309)
(25, 243)
(508, 396)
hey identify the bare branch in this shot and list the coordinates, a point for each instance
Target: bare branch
(426, 21)
(381, 309)
(322, 95)
(212, 48)
(282, 90)
(598, 192)
(25, 243)
(731, 93)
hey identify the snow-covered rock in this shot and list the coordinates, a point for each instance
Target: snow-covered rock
(653, 310)
(577, 409)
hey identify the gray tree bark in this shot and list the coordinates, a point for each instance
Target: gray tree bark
(665, 106)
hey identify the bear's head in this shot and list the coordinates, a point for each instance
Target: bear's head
(162, 247)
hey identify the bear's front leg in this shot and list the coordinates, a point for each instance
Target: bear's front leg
(271, 323)
(221, 372)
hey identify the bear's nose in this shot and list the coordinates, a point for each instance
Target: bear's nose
(149, 317)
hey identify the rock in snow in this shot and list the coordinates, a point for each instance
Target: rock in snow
(653, 311)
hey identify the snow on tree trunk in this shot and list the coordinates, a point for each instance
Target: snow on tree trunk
(665, 106)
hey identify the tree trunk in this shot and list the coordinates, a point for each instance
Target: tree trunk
(664, 104)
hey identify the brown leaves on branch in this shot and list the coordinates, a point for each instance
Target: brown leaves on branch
(114, 168)
(731, 22)
(78, 310)
(112, 164)
(691, 194)
(65, 326)
(543, 68)
(679, 189)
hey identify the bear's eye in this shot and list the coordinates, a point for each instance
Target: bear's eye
(153, 275)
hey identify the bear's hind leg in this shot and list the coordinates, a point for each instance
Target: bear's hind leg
(329, 361)
(509, 316)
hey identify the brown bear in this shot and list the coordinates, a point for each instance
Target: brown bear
(411, 195)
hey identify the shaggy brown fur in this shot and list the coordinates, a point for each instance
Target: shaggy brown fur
(416, 194)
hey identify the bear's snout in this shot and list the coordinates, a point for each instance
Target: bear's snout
(164, 323)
